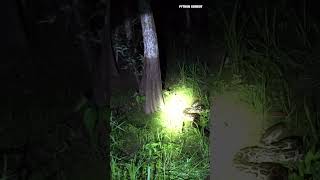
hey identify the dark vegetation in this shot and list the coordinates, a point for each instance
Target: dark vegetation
(55, 119)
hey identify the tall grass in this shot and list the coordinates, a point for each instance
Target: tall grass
(142, 149)
(234, 36)
(195, 76)
(264, 74)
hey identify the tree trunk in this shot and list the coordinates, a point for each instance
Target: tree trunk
(128, 21)
(101, 87)
(16, 31)
(85, 49)
(151, 84)
(188, 19)
(101, 68)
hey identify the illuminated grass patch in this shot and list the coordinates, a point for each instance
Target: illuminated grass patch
(176, 101)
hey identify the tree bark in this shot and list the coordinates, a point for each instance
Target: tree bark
(101, 88)
(101, 67)
(128, 21)
(151, 84)
(87, 52)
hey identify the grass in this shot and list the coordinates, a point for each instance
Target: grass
(143, 148)
(264, 68)
(260, 66)
(234, 37)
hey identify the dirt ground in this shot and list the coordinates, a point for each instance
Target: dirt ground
(233, 126)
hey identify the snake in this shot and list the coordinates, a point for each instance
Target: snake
(193, 112)
(269, 159)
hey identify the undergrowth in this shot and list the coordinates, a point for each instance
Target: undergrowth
(266, 72)
(263, 70)
(141, 148)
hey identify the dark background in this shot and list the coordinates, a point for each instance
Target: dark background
(43, 72)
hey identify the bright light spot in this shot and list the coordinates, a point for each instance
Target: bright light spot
(172, 111)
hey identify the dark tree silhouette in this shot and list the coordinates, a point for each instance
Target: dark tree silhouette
(151, 84)
(84, 43)
(101, 86)
(101, 67)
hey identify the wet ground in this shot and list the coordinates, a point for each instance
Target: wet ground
(233, 126)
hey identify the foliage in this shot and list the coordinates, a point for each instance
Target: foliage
(259, 66)
(128, 53)
(267, 70)
(308, 168)
(91, 118)
(194, 76)
(142, 148)
(234, 36)
(311, 122)
(138, 98)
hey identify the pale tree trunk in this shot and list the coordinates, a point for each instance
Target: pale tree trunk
(151, 84)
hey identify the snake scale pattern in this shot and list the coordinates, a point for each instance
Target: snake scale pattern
(268, 160)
